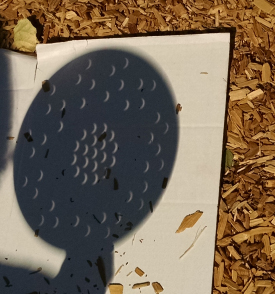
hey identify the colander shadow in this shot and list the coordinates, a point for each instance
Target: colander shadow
(94, 154)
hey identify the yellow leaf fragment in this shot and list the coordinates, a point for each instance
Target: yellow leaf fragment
(189, 221)
(116, 288)
(25, 36)
(157, 287)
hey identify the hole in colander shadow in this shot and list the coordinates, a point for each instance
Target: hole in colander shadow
(104, 140)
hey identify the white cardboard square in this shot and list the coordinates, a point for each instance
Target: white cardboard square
(193, 185)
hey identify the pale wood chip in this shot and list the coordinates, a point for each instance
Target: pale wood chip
(239, 94)
(234, 187)
(264, 5)
(270, 169)
(263, 283)
(233, 252)
(254, 94)
(266, 242)
(250, 288)
(241, 237)
(180, 10)
(159, 17)
(266, 73)
(220, 274)
(221, 224)
(255, 66)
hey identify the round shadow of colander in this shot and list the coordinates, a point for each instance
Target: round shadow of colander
(94, 154)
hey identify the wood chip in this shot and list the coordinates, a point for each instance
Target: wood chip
(238, 94)
(141, 285)
(254, 94)
(263, 283)
(266, 72)
(221, 224)
(139, 271)
(180, 10)
(159, 17)
(233, 252)
(225, 194)
(157, 287)
(116, 288)
(264, 5)
(239, 238)
(189, 221)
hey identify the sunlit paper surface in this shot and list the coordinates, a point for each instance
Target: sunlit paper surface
(194, 69)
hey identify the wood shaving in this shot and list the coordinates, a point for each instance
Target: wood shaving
(194, 241)
(189, 221)
(118, 270)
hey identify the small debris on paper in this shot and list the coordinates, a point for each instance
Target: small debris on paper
(101, 269)
(178, 108)
(28, 137)
(189, 221)
(129, 273)
(139, 271)
(157, 287)
(45, 85)
(165, 180)
(118, 271)
(116, 288)
(194, 241)
(141, 285)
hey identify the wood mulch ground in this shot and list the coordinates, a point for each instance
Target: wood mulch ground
(245, 245)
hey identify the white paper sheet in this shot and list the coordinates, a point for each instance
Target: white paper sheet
(195, 70)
